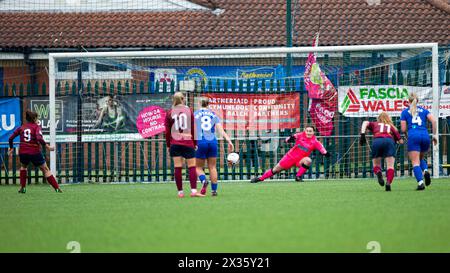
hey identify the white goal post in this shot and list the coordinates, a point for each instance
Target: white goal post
(281, 51)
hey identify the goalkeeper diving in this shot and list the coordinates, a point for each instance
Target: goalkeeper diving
(305, 144)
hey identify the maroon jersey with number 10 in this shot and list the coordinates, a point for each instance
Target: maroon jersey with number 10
(382, 130)
(180, 127)
(31, 139)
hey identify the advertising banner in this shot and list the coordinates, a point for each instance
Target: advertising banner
(9, 119)
(256, 112)
(369, 101)
(104, 118)
(150, 121)
(227, 78)
(444, 102)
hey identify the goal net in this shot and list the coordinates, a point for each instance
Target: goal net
(107, 108)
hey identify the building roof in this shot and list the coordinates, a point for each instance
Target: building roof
(97, 5)
(233, 23)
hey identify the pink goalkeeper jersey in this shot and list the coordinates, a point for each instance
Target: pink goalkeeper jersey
(304, 146)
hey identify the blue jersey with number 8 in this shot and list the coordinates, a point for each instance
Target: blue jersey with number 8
(206, 121)
(417, 123)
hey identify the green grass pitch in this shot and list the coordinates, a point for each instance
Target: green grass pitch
(321, 216)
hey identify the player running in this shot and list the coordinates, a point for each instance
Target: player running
(207, 122)
(305, 143)
(31, 141)
(383, 146)
(180, 139)
(414, 123)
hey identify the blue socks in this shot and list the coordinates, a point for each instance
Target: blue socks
(423, 165)
(202, 178)
(418, 173)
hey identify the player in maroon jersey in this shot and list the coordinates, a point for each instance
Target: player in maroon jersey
(31, 141)
(385, 136)
(181, 141)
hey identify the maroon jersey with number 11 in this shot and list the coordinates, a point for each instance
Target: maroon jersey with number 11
(382, 130)
(31, 139)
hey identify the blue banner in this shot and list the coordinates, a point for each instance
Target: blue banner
(232, 78)
(9, 119)
(255, 78)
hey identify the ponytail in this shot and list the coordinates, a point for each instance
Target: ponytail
(413, 107)
(413, 99)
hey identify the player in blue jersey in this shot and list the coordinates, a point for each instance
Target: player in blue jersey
(414, 123)
(207, 122)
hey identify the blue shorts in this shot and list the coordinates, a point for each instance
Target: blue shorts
(36, 159)
(206, 150)
(383, 147)
(418, 142)
(183, 151)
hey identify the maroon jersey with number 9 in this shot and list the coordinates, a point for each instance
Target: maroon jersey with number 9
(31, 138)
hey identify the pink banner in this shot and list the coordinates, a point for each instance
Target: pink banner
(323, 109)
(313, 78)
(322, 114)
(323, 95)
(150, 121)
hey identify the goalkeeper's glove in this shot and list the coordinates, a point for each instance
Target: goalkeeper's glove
(362, 139)
(290, 139)
(327, 154)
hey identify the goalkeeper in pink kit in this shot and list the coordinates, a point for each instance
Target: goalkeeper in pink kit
(305, 143)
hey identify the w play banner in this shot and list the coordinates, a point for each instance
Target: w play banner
(256, 112)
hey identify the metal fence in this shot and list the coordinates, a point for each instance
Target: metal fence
(148, 160)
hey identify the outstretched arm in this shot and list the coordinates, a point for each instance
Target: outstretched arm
(397, 137)
(12, 137)
(292, 138)
(364, 126)
(40, 140)
(40, 137)
(11, 140)
(225, 135)
(321, 149)
(362, 138)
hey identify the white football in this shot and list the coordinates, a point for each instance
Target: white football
(233, 158)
